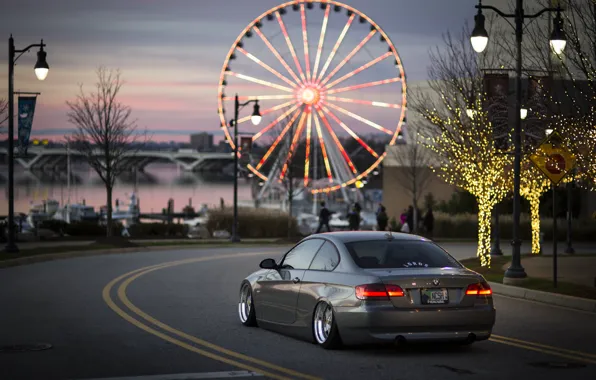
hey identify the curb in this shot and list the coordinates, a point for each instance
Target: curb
(562, 300)
(98, 252)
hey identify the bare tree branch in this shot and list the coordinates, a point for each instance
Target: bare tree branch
(105, 133)
(464, 145)
(415, 159)
(3, 111)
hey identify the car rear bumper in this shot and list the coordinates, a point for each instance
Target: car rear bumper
(385, 323)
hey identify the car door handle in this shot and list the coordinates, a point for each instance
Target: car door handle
(296, 280)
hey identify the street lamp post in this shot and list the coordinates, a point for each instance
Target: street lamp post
(569, 250)
(479, 41)
(41, 71)
(255, 119)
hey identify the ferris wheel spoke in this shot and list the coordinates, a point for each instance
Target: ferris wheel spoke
(349, 56)
(266, 66)
(360, 69)
(364, 102)
(290, 45)
(337, 142)
(267, 111)
(259, 97)
(323, 148)
(259, 81)
(351, 132)
(364, 85)
(307, 155)
(277, 55)
(296, 137)
(360, 118)
(277, 140)
(305, 41)
(337, 44)
(273, 123)
(321, 40)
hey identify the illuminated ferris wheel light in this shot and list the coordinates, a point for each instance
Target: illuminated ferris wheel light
(298, 78)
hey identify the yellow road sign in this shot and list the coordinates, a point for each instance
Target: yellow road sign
(553, 158)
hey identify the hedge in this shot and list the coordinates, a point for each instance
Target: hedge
(464, 226)
(158, 229)
(252, 223)
(91, 229)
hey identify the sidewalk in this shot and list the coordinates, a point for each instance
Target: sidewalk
(576, 270)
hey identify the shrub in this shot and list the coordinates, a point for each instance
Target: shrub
(252, 223)
(465, 226)
(91, 229)
(56, 226)
(158, 229)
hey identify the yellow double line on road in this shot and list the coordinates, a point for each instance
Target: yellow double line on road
(256, 365)
(268, 369)
(546, 349)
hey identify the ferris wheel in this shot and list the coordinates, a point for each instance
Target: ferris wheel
(325, 76)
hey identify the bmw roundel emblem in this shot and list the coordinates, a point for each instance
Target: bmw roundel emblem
(436, 282)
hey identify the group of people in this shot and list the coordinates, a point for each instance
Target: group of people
(354, 218)
(407, 221)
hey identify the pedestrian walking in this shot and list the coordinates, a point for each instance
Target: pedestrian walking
(429, 222)
(324, 216)
(354, 219)
(382, 219)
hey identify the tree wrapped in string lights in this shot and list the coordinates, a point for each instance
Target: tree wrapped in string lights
(470, 160)
(533, 186)
(459, 131)
(572, 105)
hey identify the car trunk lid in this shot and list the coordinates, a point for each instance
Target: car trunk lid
(430, 287)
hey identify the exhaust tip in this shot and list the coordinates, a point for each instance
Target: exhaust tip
(400, 340)
(471, 338)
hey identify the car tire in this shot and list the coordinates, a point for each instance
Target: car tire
(324, 327)
(246, 307)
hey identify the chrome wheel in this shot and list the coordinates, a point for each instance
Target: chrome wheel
(245, 304)
(323, 321)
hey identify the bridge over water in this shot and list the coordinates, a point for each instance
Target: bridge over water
(56, 158)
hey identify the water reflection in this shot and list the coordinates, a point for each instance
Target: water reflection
(155, 186)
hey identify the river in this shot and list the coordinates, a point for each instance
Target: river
(155, 187)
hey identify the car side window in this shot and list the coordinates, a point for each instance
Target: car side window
(301, 255)
(326, 259)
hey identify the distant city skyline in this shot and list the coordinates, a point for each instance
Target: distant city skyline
(171, 54)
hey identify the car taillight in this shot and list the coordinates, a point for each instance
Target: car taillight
(378, 291)
(479, 289)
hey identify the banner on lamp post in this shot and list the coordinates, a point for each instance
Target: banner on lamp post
(25, 119)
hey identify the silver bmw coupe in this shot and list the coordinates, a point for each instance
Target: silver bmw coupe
(365, 287)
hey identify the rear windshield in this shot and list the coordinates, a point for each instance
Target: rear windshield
(400, 254)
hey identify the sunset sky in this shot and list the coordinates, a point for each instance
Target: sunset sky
(171, 52)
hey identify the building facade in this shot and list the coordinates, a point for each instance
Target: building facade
(203, 142)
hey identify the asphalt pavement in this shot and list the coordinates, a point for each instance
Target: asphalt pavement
(107, 317)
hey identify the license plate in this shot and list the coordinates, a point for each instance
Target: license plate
(434, 296)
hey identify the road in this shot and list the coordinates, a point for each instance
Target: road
(105, 317)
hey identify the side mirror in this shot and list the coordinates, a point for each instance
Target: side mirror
(268, 264)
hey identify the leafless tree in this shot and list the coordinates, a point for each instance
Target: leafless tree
(466, 153)
(105, 132)
(415, 160)
(456, 78)
(570, 108)
(289, 155)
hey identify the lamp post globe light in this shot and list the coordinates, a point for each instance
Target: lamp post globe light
(255, 118)
(41, 69)
(479, 41)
